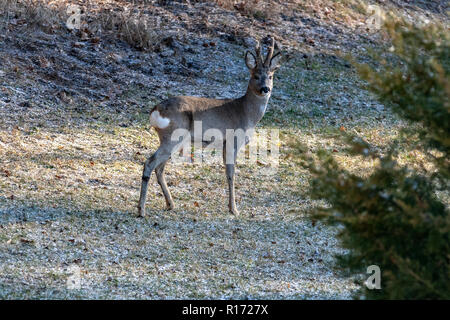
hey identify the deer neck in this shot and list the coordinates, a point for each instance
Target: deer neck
(254, 106)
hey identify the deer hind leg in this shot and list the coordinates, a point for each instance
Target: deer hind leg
(159, 157)
(159, 170)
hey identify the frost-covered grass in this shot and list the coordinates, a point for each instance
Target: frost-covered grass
(71, 164)
(69, 197)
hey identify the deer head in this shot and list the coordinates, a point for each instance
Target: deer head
(262, 70)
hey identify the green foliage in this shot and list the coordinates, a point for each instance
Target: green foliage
(393, 217)
(415, 83)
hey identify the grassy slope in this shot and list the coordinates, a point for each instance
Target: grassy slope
(70, 174)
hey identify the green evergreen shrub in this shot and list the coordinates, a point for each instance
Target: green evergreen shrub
(397, 217)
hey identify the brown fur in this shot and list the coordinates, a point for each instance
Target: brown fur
(219, 114)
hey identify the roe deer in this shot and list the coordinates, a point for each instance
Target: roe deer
(219, 114)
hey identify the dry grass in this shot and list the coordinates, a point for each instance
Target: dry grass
(138, 29)
(70, 196)
(70, 175)
(257, 9)
(348, 11)
(23, 14)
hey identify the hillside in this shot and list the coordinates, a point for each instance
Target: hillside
(74, 131)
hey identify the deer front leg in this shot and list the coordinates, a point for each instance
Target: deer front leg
(229, 159)
(231, 196)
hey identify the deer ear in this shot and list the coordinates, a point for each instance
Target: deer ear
(250, 60)
(275, 62)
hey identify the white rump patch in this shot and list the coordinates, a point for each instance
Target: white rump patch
(156, 120)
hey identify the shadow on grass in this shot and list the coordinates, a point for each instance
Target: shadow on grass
(166, 255)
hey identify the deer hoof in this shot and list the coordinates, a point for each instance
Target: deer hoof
(234, 211)
(141, 212)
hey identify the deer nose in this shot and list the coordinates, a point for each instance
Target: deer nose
(265, 89)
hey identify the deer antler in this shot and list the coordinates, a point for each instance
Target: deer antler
(258, 52)
(270, 52)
